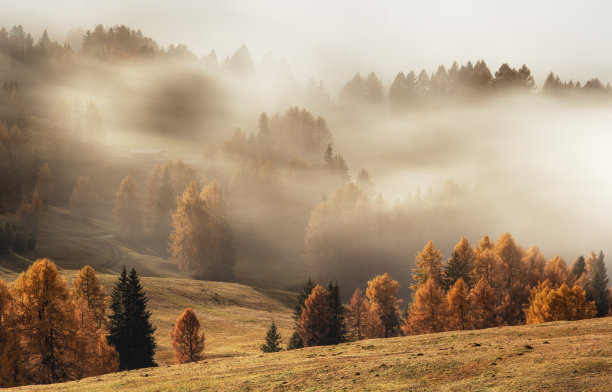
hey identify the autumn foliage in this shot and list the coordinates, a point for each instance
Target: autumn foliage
(201, 241)
(314, 323)
(383, 295)
(48, 333)
(187, 341)
(429, 310)
(562, 303)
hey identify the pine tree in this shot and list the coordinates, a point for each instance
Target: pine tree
(429, 311)
(48, 324)
(382, 292)
(273, 340)
(187, 341)
(578, 268)
(428, 265)
(460, 264)
(598, 279)
(328, 158)
(295, 341)
(337, 325)
(127, 211)
(131, 332)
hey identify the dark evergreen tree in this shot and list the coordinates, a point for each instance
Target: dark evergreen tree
(328, 157)
(337, 327)
(599, 284)
(295, 341)
(130, 330)
(273, 340)
(578, 267)
(453, 270)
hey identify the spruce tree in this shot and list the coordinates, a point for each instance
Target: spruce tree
(578, 267)
(295, 341)
(273, 340)
(599, 283)
(337, 325)
(453, 271)
(131, 332)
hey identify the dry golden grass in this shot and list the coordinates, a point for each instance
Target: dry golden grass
(561, 356)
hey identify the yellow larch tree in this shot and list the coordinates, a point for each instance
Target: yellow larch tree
(428, 265)
(429, 310)
(47, 319)
(458, 299)
(382, 292)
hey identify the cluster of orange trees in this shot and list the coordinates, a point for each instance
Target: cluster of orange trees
(492, 284)
(50, 332)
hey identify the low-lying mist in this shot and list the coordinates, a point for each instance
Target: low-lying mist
(532, 164)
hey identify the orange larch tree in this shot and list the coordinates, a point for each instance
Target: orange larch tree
(87, 334)
(201, 240)
(533, 263)
(107, 358)
(382, 292)
(459, 306)
(314, 323)
(556, 271)
(187, 341)
(47, 319)
(510, 255)
(374, 327)
(428, 265)
(483, 306)
(357, 316)
(10, 348)
(554, 304)
(487, 264)
(87, 287)
(429, 310)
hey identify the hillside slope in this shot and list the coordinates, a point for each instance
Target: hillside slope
(561, 356)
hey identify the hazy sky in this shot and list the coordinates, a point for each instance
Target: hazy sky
(332, 38)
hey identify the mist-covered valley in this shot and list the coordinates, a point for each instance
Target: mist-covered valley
(460, 151)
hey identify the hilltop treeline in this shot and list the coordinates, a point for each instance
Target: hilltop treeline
(491, 284)
(122, 43)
